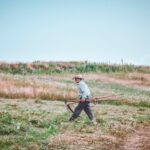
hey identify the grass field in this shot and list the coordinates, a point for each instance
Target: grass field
(33, 115)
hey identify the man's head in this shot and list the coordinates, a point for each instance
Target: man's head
(78, 78)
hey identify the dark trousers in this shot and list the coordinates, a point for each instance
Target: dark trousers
(82, 106)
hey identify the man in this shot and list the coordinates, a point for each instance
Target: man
(84, 103)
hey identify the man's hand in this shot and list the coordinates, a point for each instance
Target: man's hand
(82, 100)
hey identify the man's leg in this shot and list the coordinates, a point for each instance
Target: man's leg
(88, 111)
(77, 111)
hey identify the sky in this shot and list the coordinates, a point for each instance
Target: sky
(75, 30)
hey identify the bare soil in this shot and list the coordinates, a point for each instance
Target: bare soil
(140, 140)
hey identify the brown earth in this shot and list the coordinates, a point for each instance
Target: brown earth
(140, 140)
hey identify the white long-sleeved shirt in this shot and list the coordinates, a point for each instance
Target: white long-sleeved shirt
(83, 90)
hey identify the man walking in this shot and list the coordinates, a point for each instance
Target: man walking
(84, 103)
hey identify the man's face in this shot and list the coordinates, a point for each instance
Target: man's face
(77, 80)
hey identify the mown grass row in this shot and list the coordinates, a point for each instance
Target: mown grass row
(18, 132)
(68, 67)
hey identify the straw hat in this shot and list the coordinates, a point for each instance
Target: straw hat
(79, 76)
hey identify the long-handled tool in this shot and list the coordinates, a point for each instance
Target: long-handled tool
(93, 100)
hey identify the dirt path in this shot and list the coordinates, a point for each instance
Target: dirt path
(140, 140)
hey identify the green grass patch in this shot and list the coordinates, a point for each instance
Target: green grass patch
(143, 118)
(128, 103)
(33, 130)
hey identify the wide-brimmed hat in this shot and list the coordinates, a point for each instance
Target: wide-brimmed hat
(79, 76)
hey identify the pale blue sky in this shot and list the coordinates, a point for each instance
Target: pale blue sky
(94, 30)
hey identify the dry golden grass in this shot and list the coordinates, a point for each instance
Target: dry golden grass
(33, 88)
